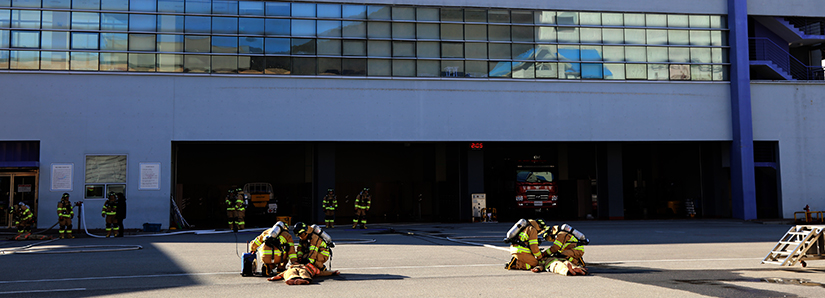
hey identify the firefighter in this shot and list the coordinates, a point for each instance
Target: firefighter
(240, 210)
(313, 250)
(525, 252)
(23, 220)
(276, 249)
(362, 205)
(230, 209)
(65, 213)
(330, 203)
(110, 213)
(566, 248)
(299, 274)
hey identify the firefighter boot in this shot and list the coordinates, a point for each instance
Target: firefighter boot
(62, 236)
(108, 233)
(354, 225)
(69, 235)
(510, 264)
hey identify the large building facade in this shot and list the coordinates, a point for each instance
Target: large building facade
(640, 109)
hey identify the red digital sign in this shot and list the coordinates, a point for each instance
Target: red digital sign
(477, 146)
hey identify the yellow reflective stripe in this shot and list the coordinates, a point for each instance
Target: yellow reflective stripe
(528, 266)
(268, 252)
(326, 253)
(579, 248)
(257, 242)
(533, 241)
(519, 249)
(557, 243)
(293, 256)
(311, 260)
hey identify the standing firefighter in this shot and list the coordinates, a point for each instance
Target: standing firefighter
(275, 248)
(230, 209)
(524, 245)
(362, 205)
(313, 251)
(565, 256)
(240, 210)
(23, 220)
(110, 213)
(330, 203)
(65, 213)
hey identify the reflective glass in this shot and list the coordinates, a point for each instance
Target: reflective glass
(25, 39)
(679, 72)
(546, 34)
(170, 43)
(613, 71)
(277, 26)
(718, 22)
(142, 42)
(701, 72)
(303, 27)
(377, 48)
(679, 54)
(169, 23)
(591, 53)
(251, 45)
(718, 55)
(656, 20)
(224, 44)
(452, 15)
(656, 36)
(56, 20)
(613, 36)
(329, 28)
(430, 49)
(427, 14)
(304, 66)
(700, 55)
(677, 20)
(113, 61)
(522, 16)
(354, 11)
(170, 63)
(87, 41)
(718, 38)
(379, 67)
(196, 63)
(85, 20)
(612, 19)
(699, 21)
(85, 4)
(25, 19)
(329, 66)
(224, 7)
(54, 60)
(570, 71)
(592, 71)
(569, 53)
(403, 68)
(225, 64)
(199, 6)
(678, 37)
(634, 19)
(636, 71)
(277, 9)
(546, 52)
(427, 31)
(354, 29)
(497, 32)
(24, 60)
(636, 54)
(475, 15)
(452, 69)
(84, 61)
(303, 46)
(330, 47)
(657, 54)
(254, 8)
(403, 49)
(427, 68)
(591, 35)
(195, 24)
(251, 64)
(547, 70)
(142, 5)
(57, 4)
(590, 18)
(5, 18)
(114, 21)
(498, 16)
(522, 33)
(170, 6)
(499, 51)
(113, 5)
(452, 50)
(142, 22)
(635, 36)
(378, 30)
(251, 26)
(329, 10)
(114, 41)
(545, 17)
(475, 69)
(403, 30)
(196, 44)
(613, 53)
(700, 37)
(277, 46)
(403, 13)
(475, 50)
(26, 3)
(355, 48)
(568, 35)
(278, 65)
(721, 73)
(303, 9)
(567, 18)
(475, 32)
(225, 25)
(5, 38)
(500, 69)
(142, 62)
(523, 51)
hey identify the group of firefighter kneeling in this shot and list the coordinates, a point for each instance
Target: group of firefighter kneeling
(281, 259)
(563, 257)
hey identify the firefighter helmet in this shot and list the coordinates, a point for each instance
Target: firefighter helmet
(299, 228)
(65, 195)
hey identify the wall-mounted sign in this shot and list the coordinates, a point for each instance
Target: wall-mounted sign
(477, 146)
(149, 176)
(62, 176)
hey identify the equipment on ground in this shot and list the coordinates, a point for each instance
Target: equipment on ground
(248, 264)
(801, 241)
(317, 230)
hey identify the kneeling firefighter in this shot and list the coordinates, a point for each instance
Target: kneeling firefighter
(524, 245)
(276, 249)
(565, 256)
(314, 248)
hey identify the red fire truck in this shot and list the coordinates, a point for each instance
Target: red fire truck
(535, 186)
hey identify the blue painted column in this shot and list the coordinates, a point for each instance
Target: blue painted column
(741, 150)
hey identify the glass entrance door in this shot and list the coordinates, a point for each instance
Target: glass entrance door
(5, 200)
(16, 188)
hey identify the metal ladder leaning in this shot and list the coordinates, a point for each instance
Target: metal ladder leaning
(801, 241)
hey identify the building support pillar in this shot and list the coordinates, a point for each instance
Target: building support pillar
(475, 182)
(324, 177)
(615, 189)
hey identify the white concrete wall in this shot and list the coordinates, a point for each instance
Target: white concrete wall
(806, 8)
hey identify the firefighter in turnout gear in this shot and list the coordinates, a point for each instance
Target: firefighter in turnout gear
(240, 210)
(525, 251)
(362, 205)
(23, 218)
(313, 252)
(110, 213)
(299, 274)
(65, 213)
(230, 208)
(275, 248)
(330, 203)
(565, 256)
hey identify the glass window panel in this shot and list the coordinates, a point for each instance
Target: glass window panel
(613, 53)
(455, 32)
(329, 66)
(613, 71)
(524, 70)
(57, 4)
(403, 30)
(304, 66)
(547, 70)
(224, 25)
(329, 10)
(113, 5)
(501, 69)
(699, 55)
(498, 33)
(657, 54)
(378, 48)
(546, 34)
(403, 68)
(590, 18)
(277, 46)
(224, 7)
(142, 5)
(85, 20)
(378, 30)
(523, 51)
(546, 52)
(142, 22)
(354, 29)
(613, 36)
(719, 56)
(718, 38)
(114, 41)
(303, 9)
(54, 40)
(329, 28)
(114, 21)
(197, 44)
(592, 71)
(718, 22)
(475, 15)
(5, 38)
(699, 21)
(251, 45)
(522, 16)
(54, 60)
(378, 12)
(5, 18)
(634, 19)
(403, 49)
(379, 67)
(568, 35)
(656, 36)
(85, 4)
(170, 23)
(278, 65)
(88, 41)
(277, 9)
(253, 8)
(55, 20)
(475, 50)
(428, 49)
(84, 61)
(635, 36)
(199, 6)
(570, 71)
(591, 35)
(170, 63)
(545, 17)
(658, 72)
(303, 27)
(196, 63)
(225, 64)
(636, 71)
(113, 61)
(142, 42)
(427, 31)
(303, 46)
(329, 47)
(25, 39)
(355, 47)
(475, 32)
(277, 26)
(224, 44)
(475, 69)
(636, 54)
(452, 50)
(195, 24)
(24, 60)
(354, 11)
(612, 19)
(498, 16)
(428, 68)
(142, 62)
(26, 3)
(427, 14)
(676, 20)
(591, 53)
(499, 51)
(678, 37)
(679, 72)
(170, 43)
(569, 53)
(25, 19)
(700, 37)
(454, 69)
(251, 64)
(567, 18)
(251, 26)
(656, 20)
(522, 33)
(171, 6)
(452, 15)
(679, 54)
(701, 72)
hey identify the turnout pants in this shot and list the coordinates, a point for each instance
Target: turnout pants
(524, 261)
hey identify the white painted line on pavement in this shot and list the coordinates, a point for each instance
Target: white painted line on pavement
(414, 267)
(676, 260)
(42, 291)
(113, 277)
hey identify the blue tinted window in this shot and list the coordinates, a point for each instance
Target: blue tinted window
(4, 38)
(224, 44)
(354, 11)
(114, 21)
(329, 10)
(170, 23)
(170, 43)
(25, 39)
(84, 41)
(225, 25)
(142, 5)
(5, 18)
(85, 4)
(277, 27)
(54, 40)
(198, 6)
(303, 9)
(195, 24)
(329, 28)
(303, 46)
(277, 9)
(25, 19)
(224, 7)
(170, 5)
(86, 20)
(303, 27)
(251, 26)
(251, 45)
(114, 4)
(114, 41)
(142, 22)
(26, 3)
(255, 8)
(277, 46)
(55, 20)
(57, 4)
(592, 71)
